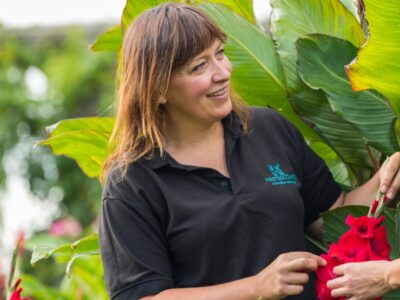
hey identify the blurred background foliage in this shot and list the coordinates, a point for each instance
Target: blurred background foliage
(74, 83)
(46, 75)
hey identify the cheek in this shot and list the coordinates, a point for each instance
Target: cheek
(199, 87)
(228, 66)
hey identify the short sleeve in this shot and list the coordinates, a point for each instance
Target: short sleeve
(133, 248)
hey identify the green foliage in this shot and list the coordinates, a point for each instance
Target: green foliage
(110, 40)
(84, 276)
(86, 246)
(242, 8)
(86, 282)
(78, 82)
(321, 60)
(293, 19)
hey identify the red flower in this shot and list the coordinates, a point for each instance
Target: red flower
(365, 240)
(16, 294)
(364, 225)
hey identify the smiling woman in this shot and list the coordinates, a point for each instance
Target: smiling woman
(185, 160)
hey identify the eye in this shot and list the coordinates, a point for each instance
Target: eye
(220, 53)
(199, 67)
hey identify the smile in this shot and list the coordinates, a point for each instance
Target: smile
(219, 92)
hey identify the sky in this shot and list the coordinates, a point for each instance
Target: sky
(21, 13)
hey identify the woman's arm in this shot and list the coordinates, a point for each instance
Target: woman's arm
(285, 276)
(365, 280)
(387, 180)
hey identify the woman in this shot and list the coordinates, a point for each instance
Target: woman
(206, 198)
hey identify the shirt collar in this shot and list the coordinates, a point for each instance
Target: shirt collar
(232, 131)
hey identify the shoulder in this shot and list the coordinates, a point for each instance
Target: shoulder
(124, 184)
(268, 121)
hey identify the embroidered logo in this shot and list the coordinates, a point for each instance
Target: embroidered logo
(279, 177)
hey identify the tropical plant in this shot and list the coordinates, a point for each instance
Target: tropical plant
(299, 70)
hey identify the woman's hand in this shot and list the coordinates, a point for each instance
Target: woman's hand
(286, 275)
(362, 280)
(389, 175)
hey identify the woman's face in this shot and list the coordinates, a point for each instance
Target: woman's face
(199, 91)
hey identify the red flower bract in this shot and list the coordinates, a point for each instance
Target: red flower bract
(350, 248)
(379, 247)
(365, 226)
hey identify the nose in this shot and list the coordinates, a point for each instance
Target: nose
(222, 70)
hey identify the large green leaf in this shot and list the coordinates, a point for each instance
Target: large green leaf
(257, 72)
(378, 63)
(110, 40)
(85, 140)
(134, 8)
(339, 135)
(334, 163)
(321, 61)
(243, 8)
(292, 19)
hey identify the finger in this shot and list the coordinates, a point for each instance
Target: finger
(302, 264)
(295, 254)
(341, 292)
(296, 278)
(293, 290)
(336, 283)
(340, 270)
(389, 172)
(320, 261)
(393, 189)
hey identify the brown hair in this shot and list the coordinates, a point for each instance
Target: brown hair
(157, 43)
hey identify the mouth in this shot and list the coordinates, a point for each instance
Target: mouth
(219, 93)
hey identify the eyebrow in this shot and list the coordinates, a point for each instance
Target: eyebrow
(202, 56)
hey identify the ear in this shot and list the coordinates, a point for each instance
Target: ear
(162, 100)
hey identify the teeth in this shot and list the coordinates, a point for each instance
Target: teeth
(219, 93)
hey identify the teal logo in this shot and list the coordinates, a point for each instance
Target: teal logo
(279, 177)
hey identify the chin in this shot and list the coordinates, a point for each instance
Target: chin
(225, 109)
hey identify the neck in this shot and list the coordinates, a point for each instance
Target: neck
(192, 135)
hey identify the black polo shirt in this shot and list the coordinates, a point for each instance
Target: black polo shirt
(167, 225)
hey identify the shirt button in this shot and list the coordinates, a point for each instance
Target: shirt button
(225, 184)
